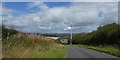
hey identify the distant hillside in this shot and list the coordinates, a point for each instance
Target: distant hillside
(57, 34)
(10, 31)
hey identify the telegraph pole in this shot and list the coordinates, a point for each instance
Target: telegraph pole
(71, 33)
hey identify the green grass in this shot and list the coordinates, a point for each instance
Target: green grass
(56, 52)
(106, 49)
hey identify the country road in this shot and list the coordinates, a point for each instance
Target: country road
(77, 52)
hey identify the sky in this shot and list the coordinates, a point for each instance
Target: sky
(56, 17)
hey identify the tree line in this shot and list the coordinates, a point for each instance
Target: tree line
(108, 34)
(8, 31)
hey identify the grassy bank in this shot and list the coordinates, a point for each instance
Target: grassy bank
(31, 46)
(106, 49)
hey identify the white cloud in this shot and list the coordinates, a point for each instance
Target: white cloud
(36, 19)
(68, 28)
(84, 16)
(40, 5)
(5, 11)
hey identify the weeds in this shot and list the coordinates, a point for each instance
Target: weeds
(28, 46)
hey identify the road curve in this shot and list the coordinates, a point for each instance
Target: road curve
(77, 52)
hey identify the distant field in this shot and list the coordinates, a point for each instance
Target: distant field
(107, 49)
(31, 46)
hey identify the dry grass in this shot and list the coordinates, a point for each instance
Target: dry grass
(24, 46)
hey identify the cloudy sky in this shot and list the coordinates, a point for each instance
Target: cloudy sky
(56, 17)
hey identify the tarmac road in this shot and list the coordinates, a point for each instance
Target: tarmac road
(77, 52)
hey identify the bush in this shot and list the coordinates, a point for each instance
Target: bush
(105, 35)
(8, 32)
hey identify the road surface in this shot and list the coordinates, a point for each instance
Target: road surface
(77, 52)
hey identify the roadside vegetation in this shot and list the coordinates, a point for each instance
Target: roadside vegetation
(16, 44)
(106, 39)
(56, 52)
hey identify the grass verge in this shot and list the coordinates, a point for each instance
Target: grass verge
(112, 50)
(56, 52)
